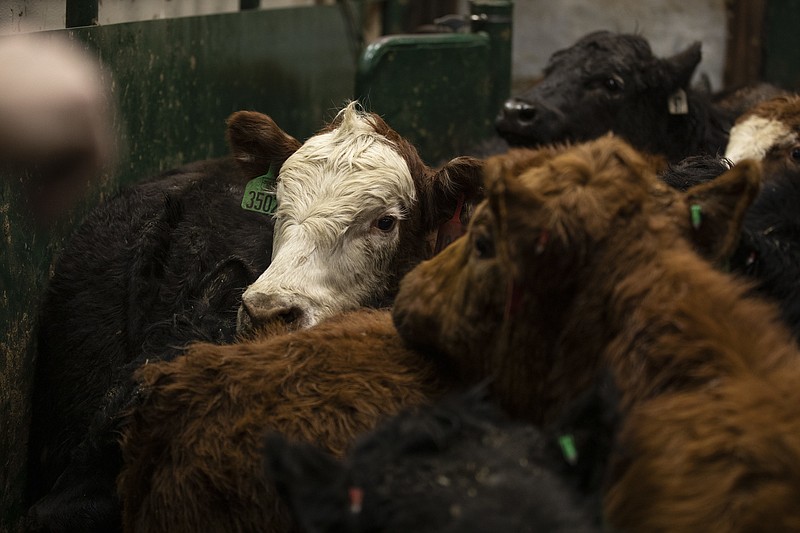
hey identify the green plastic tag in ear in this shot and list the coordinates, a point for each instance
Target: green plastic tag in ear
(696, 214)
(259, 194)
(567, 444)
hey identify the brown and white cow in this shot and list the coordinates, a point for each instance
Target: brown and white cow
(588, 262)
(770, 133)
(356, 210)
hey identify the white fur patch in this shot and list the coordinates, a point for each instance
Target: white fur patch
(327, 255)
(753, 137)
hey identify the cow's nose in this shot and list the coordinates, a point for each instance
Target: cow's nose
(263, 309)
(516, 110)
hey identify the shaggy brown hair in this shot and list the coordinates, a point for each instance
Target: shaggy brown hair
(194, 446)
(587, 261)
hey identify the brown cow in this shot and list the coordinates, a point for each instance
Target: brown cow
(194, 446)
(588, 261)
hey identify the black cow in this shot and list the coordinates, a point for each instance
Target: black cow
(461, 465)
(160, 264)
(613, 82)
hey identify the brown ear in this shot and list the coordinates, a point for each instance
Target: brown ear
(717, 209)
(256, 142)
(460, 180)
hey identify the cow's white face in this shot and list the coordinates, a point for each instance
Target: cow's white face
(341, 198)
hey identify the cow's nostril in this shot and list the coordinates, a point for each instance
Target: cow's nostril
(526, 113)
(289, 315)
(516, 112)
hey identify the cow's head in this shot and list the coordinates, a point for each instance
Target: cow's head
(523, 290)
(604, 82)
(769, 132)
(356, 209)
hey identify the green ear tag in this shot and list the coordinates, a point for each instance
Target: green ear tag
(567, 444)
(697, 218)
(259, 194)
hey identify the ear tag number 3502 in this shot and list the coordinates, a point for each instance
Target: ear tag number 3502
(259, 194)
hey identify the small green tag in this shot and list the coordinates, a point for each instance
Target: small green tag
(567, 444)
(259, 194)
(697, 217)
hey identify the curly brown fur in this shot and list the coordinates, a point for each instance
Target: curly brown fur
(194, 447)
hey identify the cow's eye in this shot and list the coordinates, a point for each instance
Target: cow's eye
(614, 83)
(483, 245)
(386, 223)
(795, 154)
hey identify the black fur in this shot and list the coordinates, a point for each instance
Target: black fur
(613, 82)
(769, 246)
(159, 265)
(459, 466)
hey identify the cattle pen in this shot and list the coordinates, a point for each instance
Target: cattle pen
(170, 73)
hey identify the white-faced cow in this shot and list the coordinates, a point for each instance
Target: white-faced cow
(609, 82)
(356, 210)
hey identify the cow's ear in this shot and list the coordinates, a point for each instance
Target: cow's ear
(256, 142)
(681, 66)
(310, 481)
(716, 209)
(459, 182)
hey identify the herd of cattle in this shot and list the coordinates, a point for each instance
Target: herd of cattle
(611, 345)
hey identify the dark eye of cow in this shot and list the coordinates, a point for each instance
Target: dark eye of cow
(386, 223)
(795, 154)
(484, 246)
(614, 83)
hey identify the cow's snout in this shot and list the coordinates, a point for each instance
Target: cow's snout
(516, 112)
(517, 121)
(261, 311)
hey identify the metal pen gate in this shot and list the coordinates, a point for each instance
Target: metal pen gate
(176, 80)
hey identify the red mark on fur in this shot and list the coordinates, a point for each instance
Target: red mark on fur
(450, 230)
(356, 497)
(544, 236)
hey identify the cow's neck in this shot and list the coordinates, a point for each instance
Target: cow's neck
(678, 316)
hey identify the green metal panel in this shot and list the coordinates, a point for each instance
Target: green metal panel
(176, 81)
(494, 17)
(433, 89)
(782, 43)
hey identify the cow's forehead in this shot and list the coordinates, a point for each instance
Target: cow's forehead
(348, 169)
(603, 50)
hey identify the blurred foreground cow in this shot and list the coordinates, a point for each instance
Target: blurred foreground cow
(166, 263)
(608, 82)
(589, 260)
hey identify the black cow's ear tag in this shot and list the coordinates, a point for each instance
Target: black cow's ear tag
(678, 103)
(259, 194)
